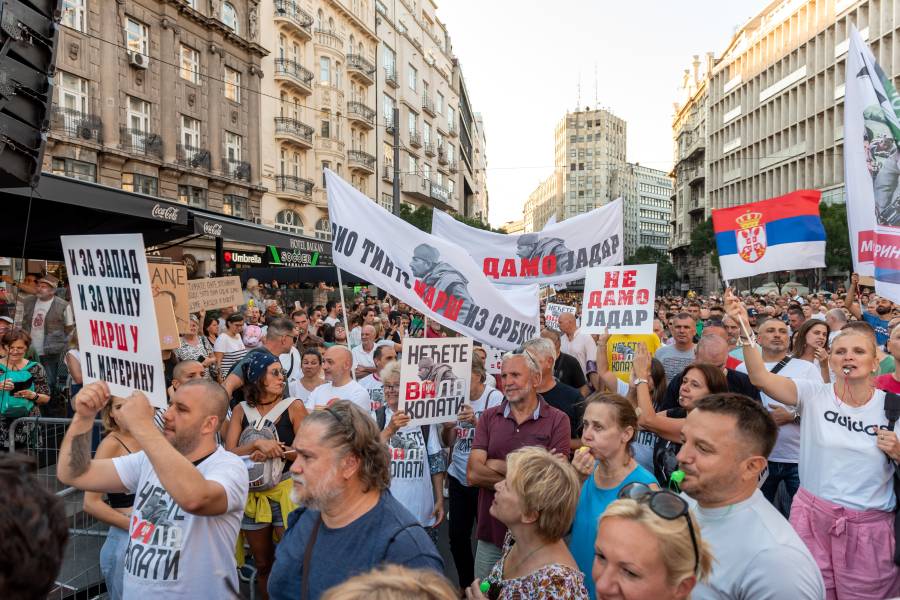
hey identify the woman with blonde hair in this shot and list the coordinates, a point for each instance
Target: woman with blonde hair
(393, 582)
(536, 502)
(644, 550)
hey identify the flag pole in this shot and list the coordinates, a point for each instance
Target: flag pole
(344, 315)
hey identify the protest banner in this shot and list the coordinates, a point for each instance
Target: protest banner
(559, 253)
(214, 292)
(619, 298)
(114, 315)
(871, 138)
(436, 277)
(166, 322)
(552, 313)
(171, 280)
(435, 374)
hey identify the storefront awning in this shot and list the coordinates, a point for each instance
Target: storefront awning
(214, 225)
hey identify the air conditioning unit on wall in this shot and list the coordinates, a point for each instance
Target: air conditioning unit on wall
(136, 59)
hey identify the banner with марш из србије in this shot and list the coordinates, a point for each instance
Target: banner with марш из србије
(114, 314)
(433, 276)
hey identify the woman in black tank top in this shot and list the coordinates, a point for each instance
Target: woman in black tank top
(117, 510)
(266, 511)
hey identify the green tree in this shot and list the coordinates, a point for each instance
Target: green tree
(837, 239)
(666, 275)
(420, 217)
(703, 242)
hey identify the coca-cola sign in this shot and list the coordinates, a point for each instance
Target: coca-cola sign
(214, 229)
(167, 213)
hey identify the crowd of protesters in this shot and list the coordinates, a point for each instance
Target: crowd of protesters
(744, 449)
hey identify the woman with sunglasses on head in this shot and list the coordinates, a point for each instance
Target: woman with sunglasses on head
(844, 508)
(606, 465)
(536, 501)
(645, 550)
(269, 501)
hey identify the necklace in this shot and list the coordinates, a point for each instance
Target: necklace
(527, 556)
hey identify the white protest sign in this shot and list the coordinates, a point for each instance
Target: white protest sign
(114, 314)
(551, 315)
(620, 298)
(434, 378)
(493, 360)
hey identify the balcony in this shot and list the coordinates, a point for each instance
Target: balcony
(294, 131)
(331, 40)
(453, 130)
(429, 149)
(438, 192)
(426, 190)
(297, 20)
(76, 124)
(361, 161)
(696, 175)
(328, 144)
(138, 141)
(428, 104)
(415, 140)
(291, 72)
(389, 124)
(390, 77)
(236, 169)
(442, 157)
(697, 207)
(387, 171)
(193, 158)
(454, 166)
(361, 114)
(361, 69)
(291, 185)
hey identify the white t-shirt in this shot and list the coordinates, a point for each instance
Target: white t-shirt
(290, 362)
(582, 347)
(361, 358)
(352, 391)
(172, 553)
(787, 446)
(232, 349)
(299, 391)
(41, 308)
(375, 388)
(410, 474)
(758, 555)
(465, 433)
(839, 458)
(331, 321)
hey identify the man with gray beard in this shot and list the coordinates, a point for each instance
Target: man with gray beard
(341, 480)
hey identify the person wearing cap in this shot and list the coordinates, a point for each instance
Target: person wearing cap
(266, 510)
(443, 277)
(48, 319)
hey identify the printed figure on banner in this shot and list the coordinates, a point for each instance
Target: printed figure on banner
(441, 278)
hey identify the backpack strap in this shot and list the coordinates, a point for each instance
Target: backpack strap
(781, 364)
(426, 432)
(276, 412)
(251, 413)
(892, 409)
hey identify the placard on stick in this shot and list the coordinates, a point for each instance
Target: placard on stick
(215, 292)
(171, 280)
(114, 314)
(620, 298)
(435, 374)
(553, 312)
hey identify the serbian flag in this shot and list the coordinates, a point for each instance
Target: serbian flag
(779, 234)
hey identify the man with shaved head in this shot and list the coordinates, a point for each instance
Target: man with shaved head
(189, 491)
(339, 385)
(364, 354)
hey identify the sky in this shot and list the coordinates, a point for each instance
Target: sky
(522, 62)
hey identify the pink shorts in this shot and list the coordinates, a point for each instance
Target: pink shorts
(854, 549)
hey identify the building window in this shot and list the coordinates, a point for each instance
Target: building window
(325, 165)
(426, 133)
(412, 76)
(230, 17)
(450, 152)
(192, 196)
(73, 14)
(233, 84)
(138, 115)
(235, 206)
(440, 103)
(323, 229)
(324, 70)
(290, 221)
(389, 59)
(326, 128)
(451, 186)
(388, 107)
(232, 147)
(75, 169)
(190, 64)
(412, 123)
(137, 36)
(73, 93)
(412, 165)
(451, 115)
(142, 184)
(426, 171)
(190, 133)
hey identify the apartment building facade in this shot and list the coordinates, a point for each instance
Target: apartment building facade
(472, 177)
(161, 98)
(648, 210)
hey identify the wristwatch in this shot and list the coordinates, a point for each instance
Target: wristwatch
(638, 381)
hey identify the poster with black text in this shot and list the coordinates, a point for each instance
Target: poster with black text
(435, 374)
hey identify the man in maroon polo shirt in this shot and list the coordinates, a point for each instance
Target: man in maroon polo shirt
(522, 419)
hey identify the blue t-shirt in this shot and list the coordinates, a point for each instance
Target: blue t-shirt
(881, 327)
(386, 534)
(591, 504)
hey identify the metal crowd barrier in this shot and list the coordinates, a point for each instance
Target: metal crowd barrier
(79, 577)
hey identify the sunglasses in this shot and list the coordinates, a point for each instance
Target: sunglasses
(664, 504)
(393, 388)
(278, 372)
(522, 351)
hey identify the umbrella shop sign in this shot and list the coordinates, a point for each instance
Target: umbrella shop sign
(434, 378)
(114, 314)
(619, 298)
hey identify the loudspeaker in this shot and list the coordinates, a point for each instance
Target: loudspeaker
(28, 33)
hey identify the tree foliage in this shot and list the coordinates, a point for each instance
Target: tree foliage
(420, 217)
(703, 242)
(837, 238)
(666, 275)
